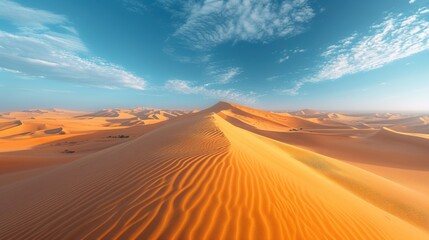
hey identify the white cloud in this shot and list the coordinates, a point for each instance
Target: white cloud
(284, 58)
(412, 1)
(424, 11)
(229, 75)
(36, 49)
(397, 37)
(211, 22)
(28, 17)
(187, 87)
(286, 54)
(135, 6)
(221, 75)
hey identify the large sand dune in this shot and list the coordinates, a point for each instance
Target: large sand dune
(206, 176)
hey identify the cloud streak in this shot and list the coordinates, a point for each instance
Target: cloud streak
(186, 87)
(397, 37)
(286, 54)
(228, 75)
(222, 75)
(212, 22)
(28, 17)
(46, 45)
(134, 6)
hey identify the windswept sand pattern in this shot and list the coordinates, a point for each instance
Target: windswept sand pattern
(198, 177)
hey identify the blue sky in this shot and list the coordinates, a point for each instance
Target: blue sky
(271, 54)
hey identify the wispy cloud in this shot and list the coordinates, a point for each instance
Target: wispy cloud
(186, 87)
(284, 58)
(228, 75)
(286, 54)
(397, 37)
(195, 58)
(222, 75)
(27, 17)
(46, 45)
(135, 6)
(212, 22)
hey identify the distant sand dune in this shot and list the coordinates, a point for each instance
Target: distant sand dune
(103, 113)
(55, 131)
(132, 117)
(25, 130)
(22, 128)
(11, 124)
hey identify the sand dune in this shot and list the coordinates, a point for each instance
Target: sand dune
(102, 113)
(55, 131)
(21, 128)
(200, 177)
(310, 113)
(387, 134)
(419, 124)
(132, 117)
(250, 118)
(9, 124)
(335, 124)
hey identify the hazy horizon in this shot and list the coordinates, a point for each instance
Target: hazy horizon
(212, 104)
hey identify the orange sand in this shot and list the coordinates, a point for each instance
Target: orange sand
(217, 174)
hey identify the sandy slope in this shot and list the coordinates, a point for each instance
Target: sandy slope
(400, 157)
(396, 156)
(200, 177)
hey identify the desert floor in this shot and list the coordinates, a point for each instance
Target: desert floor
(226, 172)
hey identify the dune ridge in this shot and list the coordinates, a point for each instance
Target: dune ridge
(250, 118)
(198, 177)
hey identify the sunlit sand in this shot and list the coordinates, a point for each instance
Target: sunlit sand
(226, 172)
